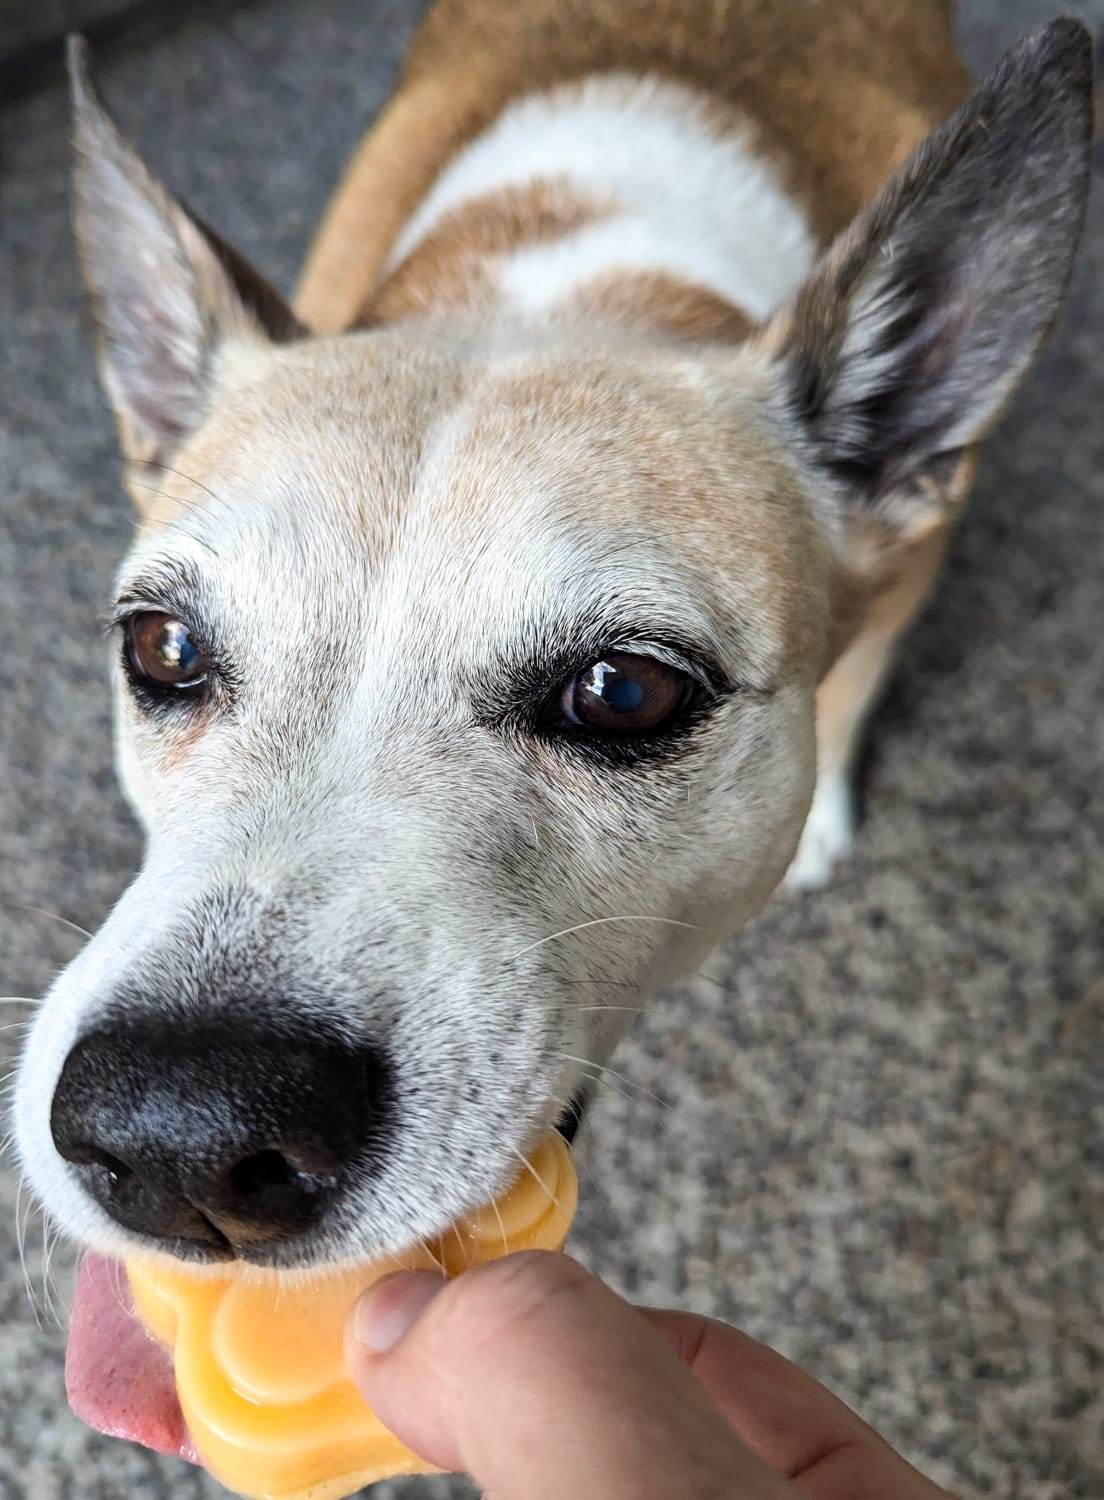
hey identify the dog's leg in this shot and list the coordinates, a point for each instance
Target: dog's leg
(844, 701)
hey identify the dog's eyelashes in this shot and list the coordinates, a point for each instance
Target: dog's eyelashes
(162, 653)
(626, 695)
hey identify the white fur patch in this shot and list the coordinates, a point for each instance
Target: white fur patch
(686, 201)
(828, 835)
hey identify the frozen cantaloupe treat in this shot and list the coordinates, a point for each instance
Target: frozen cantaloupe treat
(266, 1402)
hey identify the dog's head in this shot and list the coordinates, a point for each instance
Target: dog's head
(465, 679)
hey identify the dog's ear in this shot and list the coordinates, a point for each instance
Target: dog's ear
(912, 332)
(168, 297)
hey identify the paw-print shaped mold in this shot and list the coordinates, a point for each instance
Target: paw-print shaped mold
(259, 1365)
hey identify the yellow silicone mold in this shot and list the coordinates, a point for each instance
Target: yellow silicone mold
(260, 1372)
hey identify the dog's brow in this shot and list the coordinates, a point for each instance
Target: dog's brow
(171, 584)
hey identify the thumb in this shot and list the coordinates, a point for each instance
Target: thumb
(536, 1379)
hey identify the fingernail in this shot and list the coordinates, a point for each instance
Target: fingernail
(389, 1309)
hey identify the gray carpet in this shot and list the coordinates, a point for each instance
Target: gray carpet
(882, 1150)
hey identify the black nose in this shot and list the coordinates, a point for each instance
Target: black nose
(222, 1136)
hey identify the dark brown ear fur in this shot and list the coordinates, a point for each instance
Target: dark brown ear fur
(908, 339)
(166, 293)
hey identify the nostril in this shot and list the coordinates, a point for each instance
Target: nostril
(108, 1168)
(259, 1173)
(110, 1179)
(117, 1172)
(267, 1195)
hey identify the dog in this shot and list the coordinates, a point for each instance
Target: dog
(502, 618)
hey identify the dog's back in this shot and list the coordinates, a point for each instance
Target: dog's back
(835, 94)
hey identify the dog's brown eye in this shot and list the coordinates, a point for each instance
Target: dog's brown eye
(626, 695)
(161, 651)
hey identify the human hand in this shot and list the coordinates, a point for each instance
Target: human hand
(533, 1377)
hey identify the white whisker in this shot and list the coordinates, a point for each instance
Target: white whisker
(600, 922)
(606, 1084)
(603, 1070)
(41, 911)
(21, 1221)
(115, 1278)
(50, 1294)
(558, 1005)
(436, 1260)
(613, 984)
(565, 1104)
(460, 1241)
(535, 1175)
(501, 1225)
(636, 1009)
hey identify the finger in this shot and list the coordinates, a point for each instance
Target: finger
(788, 1418)
(539, 1381)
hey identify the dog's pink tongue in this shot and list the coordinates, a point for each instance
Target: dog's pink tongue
(119, 1379)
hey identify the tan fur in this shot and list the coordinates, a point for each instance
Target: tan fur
(838, 94)
(452, 266)
(665, 303)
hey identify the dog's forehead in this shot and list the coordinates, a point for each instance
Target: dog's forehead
(439, 481)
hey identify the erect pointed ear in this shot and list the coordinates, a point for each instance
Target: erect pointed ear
(912, 332)
(168, 297)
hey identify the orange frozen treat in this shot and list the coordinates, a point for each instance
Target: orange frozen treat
(262, 1398)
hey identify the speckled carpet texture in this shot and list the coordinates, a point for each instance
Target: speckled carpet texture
(882, 1142)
